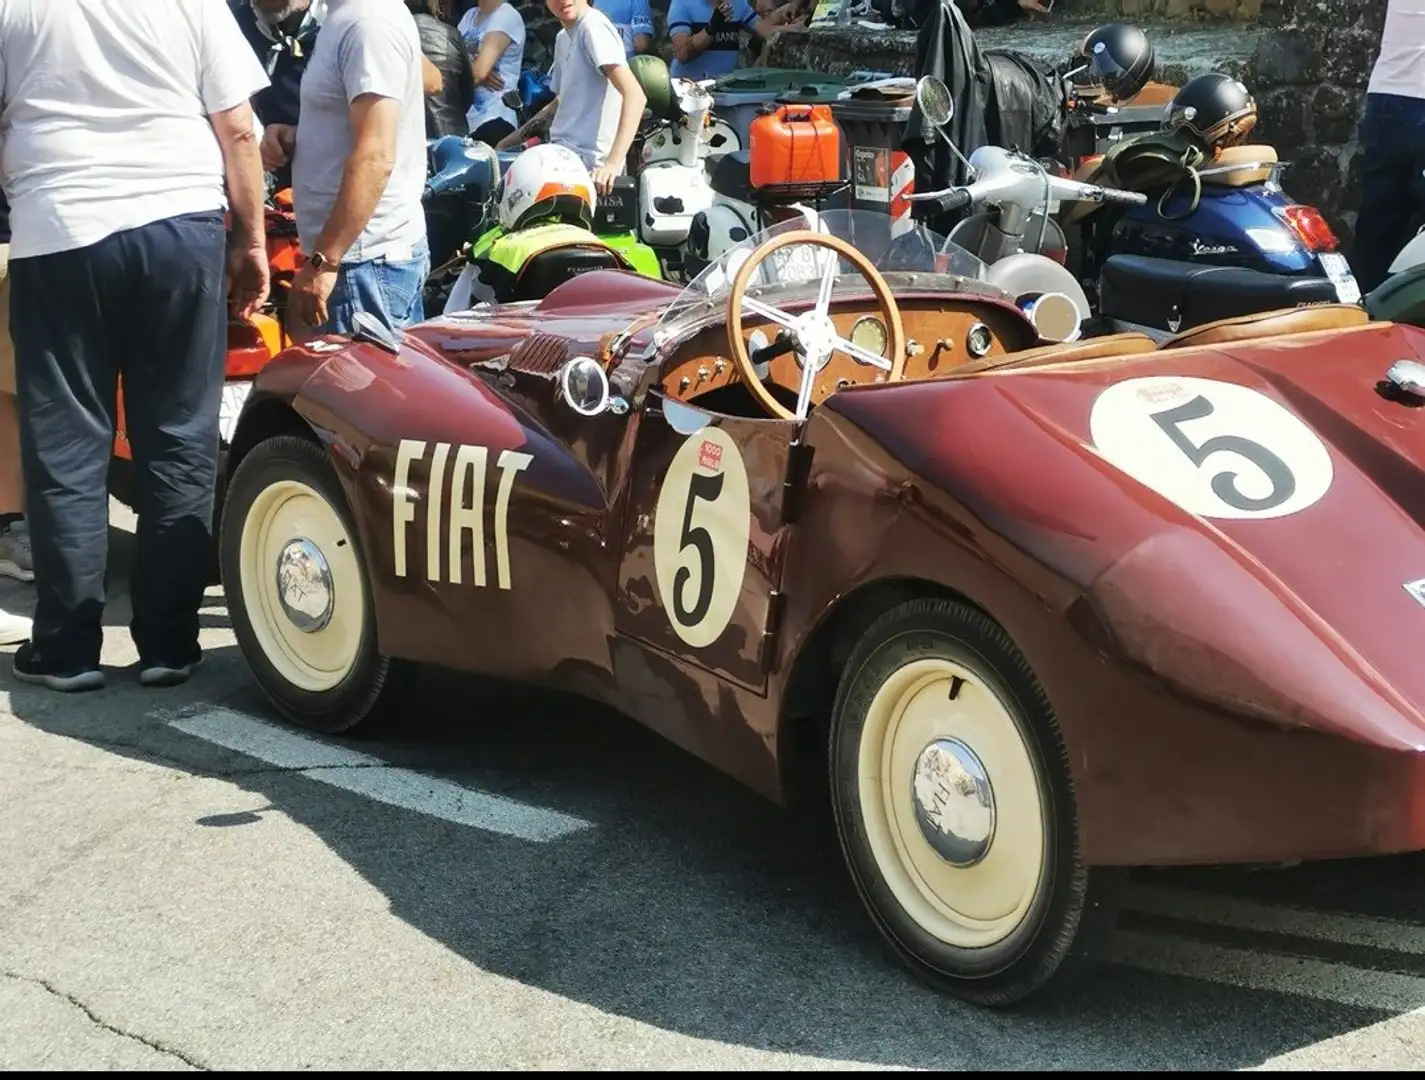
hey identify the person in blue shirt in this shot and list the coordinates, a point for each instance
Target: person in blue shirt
(632, 19)
(707, 34)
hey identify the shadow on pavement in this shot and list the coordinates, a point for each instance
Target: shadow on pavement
(691, 904)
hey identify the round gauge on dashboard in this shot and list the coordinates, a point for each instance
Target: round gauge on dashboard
(869, 333)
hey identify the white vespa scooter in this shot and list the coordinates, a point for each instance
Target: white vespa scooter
(1011, 242)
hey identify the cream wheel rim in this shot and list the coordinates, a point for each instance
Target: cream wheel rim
(942, 759)
(312, 644)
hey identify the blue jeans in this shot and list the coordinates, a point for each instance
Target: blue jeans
(1392, 188)
(390, 290)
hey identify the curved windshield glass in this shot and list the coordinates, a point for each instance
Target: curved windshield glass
(893, 247)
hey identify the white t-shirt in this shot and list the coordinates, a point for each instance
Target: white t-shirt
(473, 28)
(104, 122)
(365, 47)
(586, 120)
(1400, 68)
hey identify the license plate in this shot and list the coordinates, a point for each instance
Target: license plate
(234, 394)
(1339, 271)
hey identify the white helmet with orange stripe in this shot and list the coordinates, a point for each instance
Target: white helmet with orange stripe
(547, 182)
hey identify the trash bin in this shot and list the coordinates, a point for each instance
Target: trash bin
(881, 173)
(740, 95)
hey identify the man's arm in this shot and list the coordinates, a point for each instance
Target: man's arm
(242, 167)
(431, 80)
(641, 26)
(374, 121)
(629, 117)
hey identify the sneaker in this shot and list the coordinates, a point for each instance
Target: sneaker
(168, 674)
(15, 560)
(30, 667)
(14, 628)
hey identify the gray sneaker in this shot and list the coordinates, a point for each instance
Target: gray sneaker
(15, 558)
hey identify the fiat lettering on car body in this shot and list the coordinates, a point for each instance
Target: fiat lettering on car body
(456, 497)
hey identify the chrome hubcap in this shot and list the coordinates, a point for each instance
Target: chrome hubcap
(304, 585)
(954, 802)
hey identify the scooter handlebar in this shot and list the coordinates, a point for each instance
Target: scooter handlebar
(945, 201)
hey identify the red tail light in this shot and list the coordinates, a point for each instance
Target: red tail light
(1310, 227)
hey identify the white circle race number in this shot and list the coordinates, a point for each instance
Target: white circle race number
(700, 532)
(1216, 449)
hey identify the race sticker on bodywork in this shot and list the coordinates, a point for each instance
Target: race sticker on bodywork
(1216, 449)
(700, 532)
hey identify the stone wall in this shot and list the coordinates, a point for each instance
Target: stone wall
(1307, 62)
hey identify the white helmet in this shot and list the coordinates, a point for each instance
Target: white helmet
(547, 181)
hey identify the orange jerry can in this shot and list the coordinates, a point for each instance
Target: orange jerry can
(794, 146)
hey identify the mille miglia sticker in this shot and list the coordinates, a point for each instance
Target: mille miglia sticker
(1417, 590)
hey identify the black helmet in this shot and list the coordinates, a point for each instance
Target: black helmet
(1217, 109)
(1119, 57)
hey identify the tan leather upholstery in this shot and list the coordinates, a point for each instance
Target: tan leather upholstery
(1084, 174)
(1099, 348)
(1251, 164)
(1264, 324)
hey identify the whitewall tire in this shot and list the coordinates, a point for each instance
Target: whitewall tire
(955, 809)
(298, 591)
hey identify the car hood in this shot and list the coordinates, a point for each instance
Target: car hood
(1244, 521)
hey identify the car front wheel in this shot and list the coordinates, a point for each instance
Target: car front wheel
(298, 591)
(955, 809)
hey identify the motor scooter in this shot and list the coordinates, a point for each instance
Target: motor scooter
(1227, 241)
(1011, 242)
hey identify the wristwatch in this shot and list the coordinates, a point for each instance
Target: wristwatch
(317, 261)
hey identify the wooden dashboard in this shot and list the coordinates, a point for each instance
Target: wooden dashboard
(937, 331)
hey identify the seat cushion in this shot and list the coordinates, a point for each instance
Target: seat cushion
(1099, 348)
(1264, 324)
(1248, 164)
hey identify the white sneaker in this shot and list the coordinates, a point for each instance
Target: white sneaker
(14, 628)
(15, 558)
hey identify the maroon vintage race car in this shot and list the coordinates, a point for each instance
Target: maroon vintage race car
(1038, 613)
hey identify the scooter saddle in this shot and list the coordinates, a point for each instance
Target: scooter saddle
(731, 176)
(1173, 296)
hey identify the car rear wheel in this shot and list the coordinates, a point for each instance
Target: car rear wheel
(955, 809)
(298, 591)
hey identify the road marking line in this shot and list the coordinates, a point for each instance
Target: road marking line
(365, 775)
(1319, 979)
(1360, 930)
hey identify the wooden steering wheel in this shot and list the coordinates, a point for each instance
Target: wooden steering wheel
(806, 365)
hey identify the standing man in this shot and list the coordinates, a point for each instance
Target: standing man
(14, 534)
(633, 20)
(359, 170)
(598, 102)
(1393, 144)
(707, 34)
(282, 34)
(121, 120)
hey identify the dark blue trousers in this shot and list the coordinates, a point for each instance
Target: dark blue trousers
(1392, 187)
(150, 305)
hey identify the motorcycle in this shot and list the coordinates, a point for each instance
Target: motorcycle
(460, 198)
(1238, 246)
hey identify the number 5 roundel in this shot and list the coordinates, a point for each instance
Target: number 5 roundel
(1217, 449)
(700, 532)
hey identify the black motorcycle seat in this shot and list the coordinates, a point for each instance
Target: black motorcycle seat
(1173, 296)
(731, 176)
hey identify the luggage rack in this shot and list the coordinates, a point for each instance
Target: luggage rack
(817, 192)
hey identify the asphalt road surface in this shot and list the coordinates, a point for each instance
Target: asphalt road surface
(529, 882)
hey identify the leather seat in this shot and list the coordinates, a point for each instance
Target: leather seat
(1099, 348)
(1265, 324)
(1249, 164)
(549, 269)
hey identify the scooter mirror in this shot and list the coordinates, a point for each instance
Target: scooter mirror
(933, 97)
